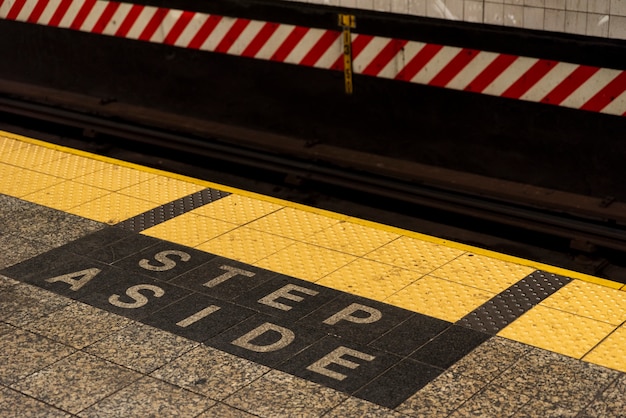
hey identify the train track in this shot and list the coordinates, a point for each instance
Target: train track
(585, 224)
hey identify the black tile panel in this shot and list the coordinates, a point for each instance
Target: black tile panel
(449, 346)
(411, 334)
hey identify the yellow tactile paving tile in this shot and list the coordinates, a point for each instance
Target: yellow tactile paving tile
(590, 300)
(8, 144)
(23, 182)
(189, 229)
(237, 209)
(65, 195)
(293, 223)
(558, 331)
(482, 272)
(305, 261)
(71, 166)
(114, 177)
(30, 156)
(369, 279)
(414, 254)
(112, 208)
(161, 190)
(246, 245)
(352, 238)
(610, 352)
(440, 298)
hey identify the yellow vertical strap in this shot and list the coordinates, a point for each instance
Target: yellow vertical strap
(347, 22)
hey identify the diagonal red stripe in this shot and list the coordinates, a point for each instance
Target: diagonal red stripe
(153, 24)
(418, 62)
(529, 79)
(609, 93)
(493, 70)
(289, 44)
(178, 27)
(232, 35)
(15, 10)
(384, 56)
(204, 32)
(59, 14)
(106, 16)
(129, 20)
(570, 84)
(455, 66)
(38, 11)
(358, 45)
(260, 39)
(321, 46)
(82, 14)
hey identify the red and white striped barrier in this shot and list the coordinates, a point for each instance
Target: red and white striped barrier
(524, 78)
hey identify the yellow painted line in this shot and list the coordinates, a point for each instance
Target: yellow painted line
(428, 238)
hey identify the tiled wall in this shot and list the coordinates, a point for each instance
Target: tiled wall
(603, 18)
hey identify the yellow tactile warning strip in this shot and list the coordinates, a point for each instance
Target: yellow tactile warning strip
(442, 279)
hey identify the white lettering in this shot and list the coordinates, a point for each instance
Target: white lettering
(197, 316)
(70, 278)
(335, 357)
(133, 292)
(245, 341)
(283, 292)
(230, 273)
(346, 315)
(162, 257)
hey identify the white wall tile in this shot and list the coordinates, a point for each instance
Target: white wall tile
(599, 6)
(455, 7)
(382, 5)
(473, 11)
(400, 6)
(618, 7)
(436, 8)
(494, 13)
(417, 7)
(349, 3)
(517, 2)
(576, 5)
(576, 22)
(555, 4)
(617, 27)
(534, 17)
(513, 15)
(554, 20)
(598, 25)
(535, 3)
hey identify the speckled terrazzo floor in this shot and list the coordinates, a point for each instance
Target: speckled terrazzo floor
(61, 357)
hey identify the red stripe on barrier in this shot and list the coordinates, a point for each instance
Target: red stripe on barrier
(570, 84)
(231, 36)
(60, 12)
(106, 16)
(153, 24)
(321, 46)
(38, 11)
(289, 44)
(15, 10)
(260, 39)
(205, 31)
(129, 20)
(82, 14)
(493, 70)
(358, 45)
(455, 66)
(529, 79)
(609, 93)
(178, 28)
(384, 56)
(418, 62)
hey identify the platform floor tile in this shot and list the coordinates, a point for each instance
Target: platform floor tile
(161, 189)
(29, 181)
(30, 156)
(609, 352)
(112, 208)
(190, 229)
(114, 178)
(71, 166)
(66, 195)
(238, 209)
(293, 223)
(352, 238)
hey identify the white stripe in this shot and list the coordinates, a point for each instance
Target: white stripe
(617, 106)
(590, 88)
(509, 76)
(218, 34)
(435, 65)
(331, 55)
(369, 53)
(117, 19)
(5, 8)
(27, 9)
(549, 81)
(274, 42)
(47, 14)
(305, 45)
(70, 14)
(142, 21)
(468, 74)
(161, 32)
(402, 58)
(193, 27)
(244, 39)
(93, 16)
